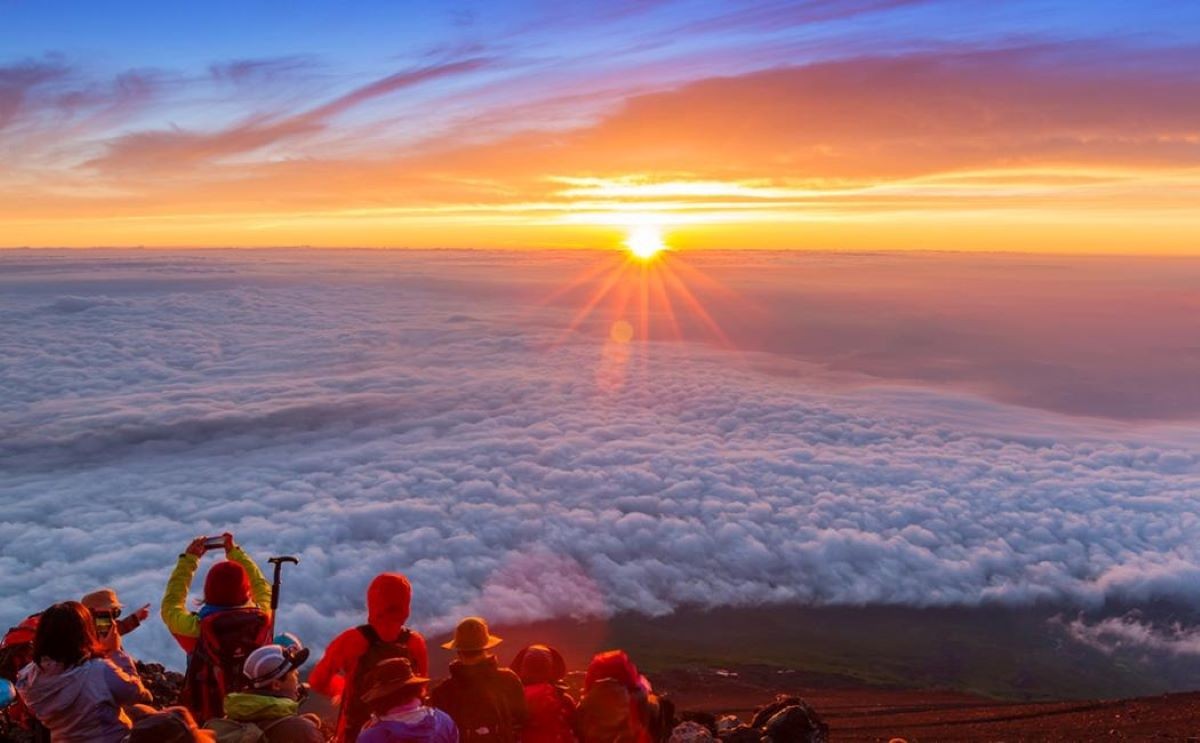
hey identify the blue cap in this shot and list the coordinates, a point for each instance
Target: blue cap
(8, 694)
(288, 640)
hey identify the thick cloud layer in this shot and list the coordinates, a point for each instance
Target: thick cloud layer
(406, 413)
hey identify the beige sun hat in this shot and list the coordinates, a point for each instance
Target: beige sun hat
(472, 634)
(104, 599)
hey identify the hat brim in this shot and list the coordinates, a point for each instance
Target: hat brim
(380, 691)
(492, 642)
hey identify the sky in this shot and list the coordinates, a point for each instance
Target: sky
(1028, 125)
(894, 435)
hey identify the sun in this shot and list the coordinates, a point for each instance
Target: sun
(645, 241)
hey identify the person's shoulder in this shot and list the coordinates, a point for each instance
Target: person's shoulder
(376, 734)
(298, 728)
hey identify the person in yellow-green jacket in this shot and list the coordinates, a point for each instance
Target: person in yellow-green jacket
(269, 709)
(233, 620)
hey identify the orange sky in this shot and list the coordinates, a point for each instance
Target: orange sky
(1061, 149)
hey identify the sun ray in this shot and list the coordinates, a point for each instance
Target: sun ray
(694, 304)
(600, 293)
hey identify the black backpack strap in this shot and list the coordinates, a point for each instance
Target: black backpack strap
(373, 637)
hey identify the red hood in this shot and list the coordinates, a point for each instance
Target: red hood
(614, 664)
(388, 599)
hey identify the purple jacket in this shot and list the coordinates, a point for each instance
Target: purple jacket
(423, 725)
(82, 703)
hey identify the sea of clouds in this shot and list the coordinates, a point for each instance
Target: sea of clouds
(429, 413)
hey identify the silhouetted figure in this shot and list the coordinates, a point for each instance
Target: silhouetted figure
(551, 709)
(618, 704)
(486, 702)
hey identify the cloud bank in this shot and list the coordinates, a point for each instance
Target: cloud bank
(409, 412)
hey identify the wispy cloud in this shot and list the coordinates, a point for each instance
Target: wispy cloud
(175, 149)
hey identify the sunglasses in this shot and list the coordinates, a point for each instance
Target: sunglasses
(110, 614)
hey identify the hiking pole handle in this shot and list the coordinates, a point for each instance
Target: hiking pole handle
(278, 562)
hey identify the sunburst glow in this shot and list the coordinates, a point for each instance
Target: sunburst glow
(645, 241)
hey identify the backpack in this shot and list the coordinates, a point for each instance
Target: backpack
(232, 731)
(214, 668)
(486, 719)
(606, 714)
(354, 710)
(16, 649)
(16, 652)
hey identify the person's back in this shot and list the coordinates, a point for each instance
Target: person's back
(80, 703)
(486, 702)
(419, 724)
(234, 620)
(543, 670)
(617, 704)
(551, 715)
(276, 716)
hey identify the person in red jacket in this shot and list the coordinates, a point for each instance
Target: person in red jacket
(355, 652)
(551, 709)
(618, 704)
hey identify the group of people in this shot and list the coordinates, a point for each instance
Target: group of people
(75, 682)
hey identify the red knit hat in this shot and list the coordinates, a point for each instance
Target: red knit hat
(226, 585)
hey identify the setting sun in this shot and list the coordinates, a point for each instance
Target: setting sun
(645, 241)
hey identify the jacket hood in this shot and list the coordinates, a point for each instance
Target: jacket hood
(388, 600)
(50, 688)
(424, 727)
(245, 707)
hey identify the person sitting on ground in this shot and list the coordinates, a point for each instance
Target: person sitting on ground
(551, 709)
(486, 702)
(171, 725)
(70, 687)
(269, 709)
(106, 609)
(355, 652)
(234, 620)
(393, 694)
(618, 704)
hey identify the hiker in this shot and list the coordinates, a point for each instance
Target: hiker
(551, 709)
(269, 709)
(71, 689)
(618, 704)
(393, 694)
(171, 725)
(106, 609)
(232, 622)
(355, 652)
(486, 702)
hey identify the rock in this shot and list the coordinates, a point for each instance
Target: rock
(796, 723)
(691, 732)
(741, 734)
(161, 683)
(706, 719)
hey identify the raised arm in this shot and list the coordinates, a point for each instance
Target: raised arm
(174, 611)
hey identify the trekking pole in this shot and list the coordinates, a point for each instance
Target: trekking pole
(278, 563)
